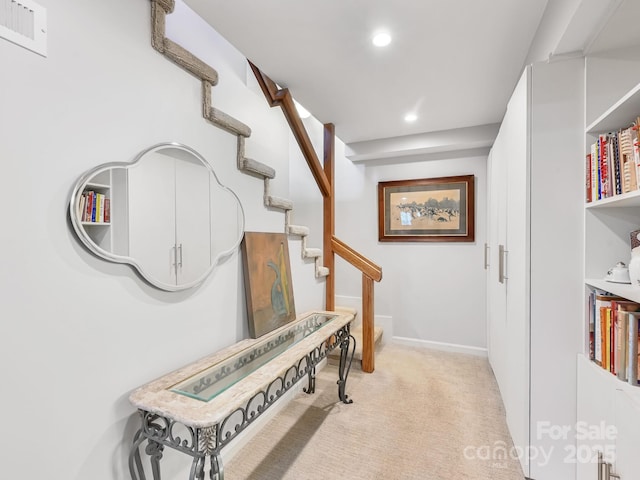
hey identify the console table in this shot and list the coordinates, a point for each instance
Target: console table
(202, 407)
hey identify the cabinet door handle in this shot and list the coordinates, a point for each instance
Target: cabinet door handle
(180, 261)
(486, 255)
(604, 469)
(174, 258)
(502, 260)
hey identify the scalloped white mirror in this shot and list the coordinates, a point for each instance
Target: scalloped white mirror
(166, 214)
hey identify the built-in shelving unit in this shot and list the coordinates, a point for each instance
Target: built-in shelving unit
(625, 290)
(603, 398)
(621, 114)
(98, 230)
(629, 199)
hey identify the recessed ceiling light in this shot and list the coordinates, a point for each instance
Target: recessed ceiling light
(410, 117)
(381, 39)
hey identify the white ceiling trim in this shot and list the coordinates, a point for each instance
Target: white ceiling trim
(478, 139)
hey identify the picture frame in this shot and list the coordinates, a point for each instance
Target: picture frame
(427, 210)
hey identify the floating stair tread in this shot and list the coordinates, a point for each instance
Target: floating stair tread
(322, 271)
(300, 230)
(250, 165)
(357, 333)
(311, 253)
(281, 203)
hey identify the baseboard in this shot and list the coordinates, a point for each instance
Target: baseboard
(448, 347)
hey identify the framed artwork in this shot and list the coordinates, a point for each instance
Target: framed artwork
(267, 281)
(426, 210)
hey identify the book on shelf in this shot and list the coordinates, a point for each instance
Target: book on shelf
(82, 207)
(591, 316)
(595, 173)
(99, 211)
(598, 323)
(614, 334)
(618, 347)
(633, 340)
(93, 207)
(90, 195)
(613, 163)
(605, 337)
(605, 170)
(588, 180)
(614, 156)
(107, 210)
(635, 136)
(622, 351)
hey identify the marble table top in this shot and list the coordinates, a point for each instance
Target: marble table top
(157, 397)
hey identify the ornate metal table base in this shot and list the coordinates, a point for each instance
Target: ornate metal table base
(205, 443)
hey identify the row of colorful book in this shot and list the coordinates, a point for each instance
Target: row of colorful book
(94, 207)
(613, 164)
(614, 339)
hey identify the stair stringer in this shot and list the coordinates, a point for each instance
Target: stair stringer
(209, 78)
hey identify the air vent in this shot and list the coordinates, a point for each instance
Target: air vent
(24, 23)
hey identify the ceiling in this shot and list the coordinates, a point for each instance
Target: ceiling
(452, 63)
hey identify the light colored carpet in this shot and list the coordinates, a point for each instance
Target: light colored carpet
(422, 415)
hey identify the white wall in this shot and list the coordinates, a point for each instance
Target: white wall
(78, 333)
(433, 292)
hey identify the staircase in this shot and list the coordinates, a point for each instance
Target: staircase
(281, 97)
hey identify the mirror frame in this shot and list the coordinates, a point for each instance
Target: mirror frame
(81, 233)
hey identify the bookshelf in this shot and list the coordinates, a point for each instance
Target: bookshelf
(622, 113)
(602, 398)
(96, 219)
(629, 199)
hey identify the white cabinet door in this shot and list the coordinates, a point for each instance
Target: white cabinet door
(152, 220)
(627, 456)
(169, 217)
(509, 299)
(595, 415)
(534, 331)
(193, 241)
(496, 289)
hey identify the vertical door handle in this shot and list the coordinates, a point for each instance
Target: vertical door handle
(180, 256)
(604, 469)
(502, 260)
(173, 258)
(486, 255)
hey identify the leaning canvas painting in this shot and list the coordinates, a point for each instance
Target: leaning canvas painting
(267, 280)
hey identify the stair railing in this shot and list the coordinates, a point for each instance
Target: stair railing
(331, 244)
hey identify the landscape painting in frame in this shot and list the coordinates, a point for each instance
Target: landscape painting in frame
(426, 210)
(267, 280)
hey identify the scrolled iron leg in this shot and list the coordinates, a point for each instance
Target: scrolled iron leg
(135, 462)
(197, 469)
(311, 386)
(345, 365)
(154, 450)
(217, 470)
